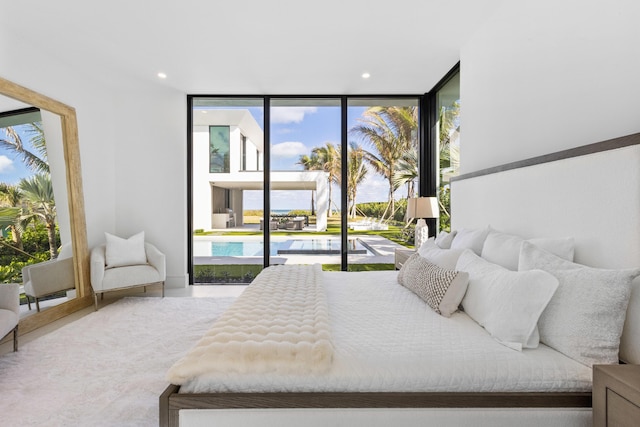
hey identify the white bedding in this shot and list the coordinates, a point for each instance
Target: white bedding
(387, 339)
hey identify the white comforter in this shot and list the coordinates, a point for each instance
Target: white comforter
(386, 339)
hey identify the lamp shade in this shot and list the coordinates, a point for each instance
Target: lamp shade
(422, 207)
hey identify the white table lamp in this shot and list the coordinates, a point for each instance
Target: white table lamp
(421, 208)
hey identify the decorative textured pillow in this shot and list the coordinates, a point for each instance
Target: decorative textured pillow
(120, 252)
(504, 249)
(444, 239)
(470, 239)
(440, 288)
(585, 317)
(507, 303)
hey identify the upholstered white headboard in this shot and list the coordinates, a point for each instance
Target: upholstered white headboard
(591, 193)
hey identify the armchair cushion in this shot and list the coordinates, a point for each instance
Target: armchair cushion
(121, 252)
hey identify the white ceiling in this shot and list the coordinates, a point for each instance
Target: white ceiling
(255, 46)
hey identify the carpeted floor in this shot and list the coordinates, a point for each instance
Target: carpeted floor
(105, 369)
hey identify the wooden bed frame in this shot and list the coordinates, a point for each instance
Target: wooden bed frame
(171, 401)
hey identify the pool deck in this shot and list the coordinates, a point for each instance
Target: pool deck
(384, 249)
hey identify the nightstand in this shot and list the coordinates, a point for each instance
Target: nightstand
(616, 395)
(402, 255)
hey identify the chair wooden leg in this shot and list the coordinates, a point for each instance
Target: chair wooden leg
(15, 338)
(162, 289)
(95, 301)
(28, 301)
(37, 305)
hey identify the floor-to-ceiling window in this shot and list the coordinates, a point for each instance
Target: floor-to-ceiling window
(448, 143)
(382, 172)
(305, 177)
(227, 188)
(323, 179)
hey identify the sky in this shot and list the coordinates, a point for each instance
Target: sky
(295, 131)
(12, 169)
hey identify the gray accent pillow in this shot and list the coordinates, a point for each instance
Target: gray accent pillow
(585, 316)
(440, 288)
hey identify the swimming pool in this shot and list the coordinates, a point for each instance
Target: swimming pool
(287, 247)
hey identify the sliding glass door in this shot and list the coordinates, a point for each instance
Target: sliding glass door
(382, 172)
(227, 189)
(305, 176)
(300, 180)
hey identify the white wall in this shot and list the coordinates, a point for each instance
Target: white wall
(132, 147)
(547, 75)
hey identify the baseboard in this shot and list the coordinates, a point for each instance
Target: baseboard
(176, 282)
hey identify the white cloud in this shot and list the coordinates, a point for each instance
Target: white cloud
(6, 164)
(289, 149)
(290, 114)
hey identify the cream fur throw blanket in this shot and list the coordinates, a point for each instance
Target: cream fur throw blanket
(280, 323)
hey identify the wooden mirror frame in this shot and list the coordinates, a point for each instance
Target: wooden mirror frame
(76, 204)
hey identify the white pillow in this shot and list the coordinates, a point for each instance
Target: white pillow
(470, 239)
(429, 243)
(445, 258)
(440, 288)
(585, 317)
(122, 252)
(444, 239)
(504, 249)
(507, 303)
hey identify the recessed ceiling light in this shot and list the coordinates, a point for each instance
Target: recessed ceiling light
(366, 75)
(162, 75)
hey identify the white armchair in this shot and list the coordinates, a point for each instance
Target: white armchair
(10, 311)
(47, 278)
(105, 279)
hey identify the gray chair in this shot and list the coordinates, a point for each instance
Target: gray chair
(47, 278)
(10, 311)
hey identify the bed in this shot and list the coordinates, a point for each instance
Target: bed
(399, 371)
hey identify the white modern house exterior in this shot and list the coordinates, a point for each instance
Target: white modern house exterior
(228, 148)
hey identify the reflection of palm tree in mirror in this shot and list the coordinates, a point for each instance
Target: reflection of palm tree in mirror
(38, 192)
(32, 199)
(12, 197)
(391, 132)
(34, 161)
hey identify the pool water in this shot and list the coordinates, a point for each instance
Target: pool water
(290, 247)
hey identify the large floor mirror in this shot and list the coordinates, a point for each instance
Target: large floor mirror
(46, 199)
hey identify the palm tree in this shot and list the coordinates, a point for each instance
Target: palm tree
(356, 174)
(13, 196)
(407, 171)
(391, 131)
(36, 161)
(329, 158)
(309, 163)
(38, 192)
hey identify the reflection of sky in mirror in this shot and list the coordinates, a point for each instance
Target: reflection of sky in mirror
(12, 168)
